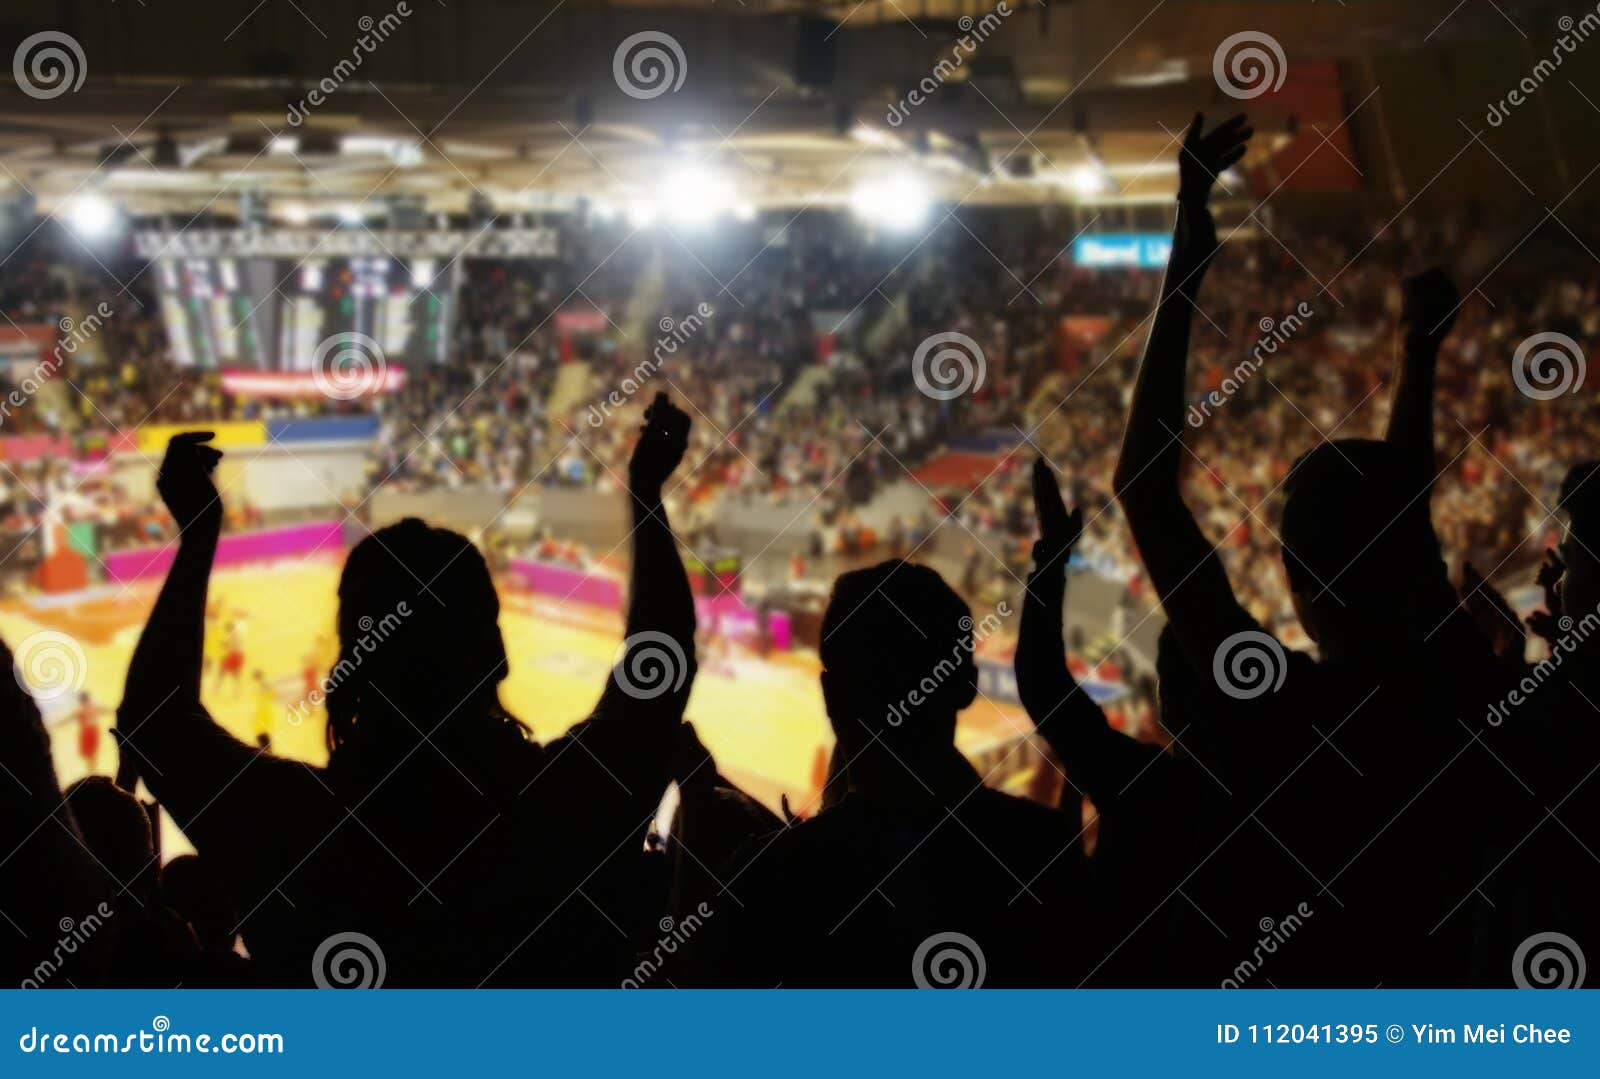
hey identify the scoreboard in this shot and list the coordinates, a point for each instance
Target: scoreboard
(269, 299)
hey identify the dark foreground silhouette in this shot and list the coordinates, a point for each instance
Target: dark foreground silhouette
(1413, 806)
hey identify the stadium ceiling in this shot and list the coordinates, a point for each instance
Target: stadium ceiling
(521, 105)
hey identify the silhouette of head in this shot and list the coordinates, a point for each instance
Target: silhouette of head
(1358, 542)
(196, 892)
(897, 658)
(419, 641)
(1579, 507)
(115, 828)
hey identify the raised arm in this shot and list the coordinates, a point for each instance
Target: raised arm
(1183, 567)
(1098, 759)
(184, 757)
(1431, 302)
(634, 726)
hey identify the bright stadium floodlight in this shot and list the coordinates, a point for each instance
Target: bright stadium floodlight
(91, 216)
(642, 213)
(695, 196)
(899, 202)
(1087, 181)
(296, 213)
(352, 214)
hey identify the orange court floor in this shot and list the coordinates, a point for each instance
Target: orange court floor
(762, 719)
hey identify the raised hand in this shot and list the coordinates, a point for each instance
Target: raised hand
(1546, 624)
(662, 444)
(1207, 156)
(185, 483)
(1429, 308)
(1493, 615)
(1059, 530)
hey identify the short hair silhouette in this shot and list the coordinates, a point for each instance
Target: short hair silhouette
(419, 634)
(192, 888)
(1356, 531)
(115, 828)
(897, 655)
